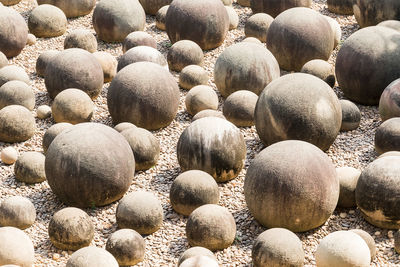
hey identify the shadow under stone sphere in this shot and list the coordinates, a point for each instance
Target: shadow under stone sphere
(275, 7)
(13, 32)
(72, 8)
(371, 12)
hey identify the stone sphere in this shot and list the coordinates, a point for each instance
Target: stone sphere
(275, 7)
(127, 246)
(389, 153)
(393, 24)
(138, 38)
(196, 251)
(343, 248)
(211, 226)
(368, 239)
(341, 7)
(245, 3)
(387, 136)
(15, 247)
(321, 69)
(239, 108)
(257, 26)
(277, 247)
(72, 8)
(245, 66)
(9, 2)
(184, 53)
(113, 20)
(3, 60)
(144, 94)
(233, 17)
(13, 73)
(71, 229)
(152, 6)
(17, 93)
(291, 184)
(389, 103)
(140, 211)
(199, 261)
(351, 115)
(31, 39)
(203, 22)
(124, 126)
(397, 241)
(202, 146)
(367, 62)
(89, 165)
(81, 38)
(43, 60)
(140, 54)
(199, 98)
(74, 68)
(348, 178)
(371, 12)
(9, 155)
(192, 76)
(17, 212)
(72, 106)
(252, 40)
(47, 21)
(17, 124)
(298, 106)
(299, 35)
(92, 257)
(208, 113)
(337, 31)
(13, 32)
(52, 132)
(108, 64)
(161, 18)
(29, 168)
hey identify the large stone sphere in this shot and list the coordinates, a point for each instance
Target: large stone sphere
(367, 62)
(245, 66)
(72, 8)
(351, 115)
(239, 108)
(348, 178)
(205, 22)
(113, 20)
(199, 261)
(298, 106)
(92, 257)
(203, 146)
(194, 252)
(152, 6)
(291, 184)
(257, 26)
(43, 60)
(321, 69)
(108, 64)
(199, 98)
(138, 38)
(47, 21)
(233, 17)
(145, 94)
(342, 7)
(161, 18)
(13, 73)
(13, 32)
(15, 247)
(139, 54)
(275, 7)
(17, 93)
(192, 76)
(81, 38)
(387, 136)
(74, 68)
(208, 113)
(337, 31)
(3, 60)
(368, 239)
(389, 103)
(371, 12)
(29, 168)
(17, 124)
(17, 212)
(120, 127)
(393, 24)
(89, 165)
(184, 53)
(52, 132)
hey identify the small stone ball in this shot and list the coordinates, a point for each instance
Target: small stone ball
(9, 2)
(17, 212)
(387, 136)
(140, 211)
(239, 108)
(351, 115)
(43, 60)
(341, 7)
(52, 132)
(47, 21)
(11, 73)
(389, 103)
(368, 239)
(138, 38)
(31, 39)
(16, 248)
(17, 124)
(321, 69)
(81, 38)
(233, 17)
(393, 24)
(29, 168)
(152, 6)
(389, 153)
(43, 112)
(348, 178)
(191, 190)
(274, 8)
(92, 256)
(208, 113)
(244, 3)
(257, 26)
(13, 32)
(108, 64)
(277, 247)
(343, 248)
(16, 93)
(397, 241)
(191, 76)
(371, 12)
(227, 2)
(3, 60)
(161, 17)
(9, 155)
(184, 53)
(199, 98)
(124, 126)
(211, 226)
(140, 54)
(196, 251)
(251, 40)
(127, 246)
(199, 261)
(337, 31)
(71, 229)
(72, 8)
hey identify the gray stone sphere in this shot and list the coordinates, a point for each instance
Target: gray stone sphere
(257, 26)
(196, 251)
(371, 12)
(81, 38)
(233, 17)
(29, 168)
(124, 126)
(245, 66)
(92, 257)
(298, 106)
(191, 76)
(208, 113)
(72, 8)
(389, 153)
(199, 98)
(184, 53)
(251, 40)
(389, 102)
(43, 60)
(140, 211)
(13, 73)
(17, 93)
(113, 20)
(368, 239)
(89, 165)
(144, 94)
(387, 136)
(15, 247)
(127, 246)
(351, 115)
(43, 112)
(17, 124)
(393, 24)
(9, 155)
(3, 60)
(275, 7)
(337, 31)
(348, 178)
(31, 39)
(13, 32)
(202, 146)
(321, 69)
(52, 132)
(108, 64)
(140, 54)
(74, 68)
(17, 212)
(9, 2)
(245, 3)
(47, 21)
(199, 261)
(291, 184)
(239, 108)
(71, 229)
(203, 22)
(138, 38)
(341, 7)
(161, 18)
(152, 6)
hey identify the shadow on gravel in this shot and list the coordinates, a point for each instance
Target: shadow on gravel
(163, 179)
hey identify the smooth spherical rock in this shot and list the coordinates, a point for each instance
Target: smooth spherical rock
(393, 24)
(397, 241)
(387, 136)
(275, 7)
(199, 261)
(17, 124)
(199, 98)
(196, 251)
(17, 212)
(371, 12)
(72, 8)
(251, 40)
(9, 2)
(321, 69)
(43, 112)
(368, 239)
(348, 178)
(31, 39)
(239, 108)
(108, 64)
(161, 18)
(92, 257)
(341, 7)
(337, 31)
(43, 60)
(138, 38)
(233, 17)
(3, 60)
(17, 93)
(140, 54)
(152, 6)
(81, 38)
(124, 126)
(29, 168)
(47, 21)
(9, 155)
(13, 73)
(389, 102)
(351, 115)
(257, 26)
(208, 113)
(184, 53)
(15, 247)
(191, 76)
(389, 153)
(52, 132)
(13, 32)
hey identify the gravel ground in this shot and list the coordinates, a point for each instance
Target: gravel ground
(163, 248)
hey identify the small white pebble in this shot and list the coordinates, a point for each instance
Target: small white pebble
(43, 112)
(377, 233)
(343, 215)
(390, 234)
(56, 256)
(352, 211)
(9, 155)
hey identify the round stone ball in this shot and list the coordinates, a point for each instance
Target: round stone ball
(81, 38)
(13, 73)
(321, 69)
(199, 261)
(3, 60)
(152, 6)
(140, 54)
(389, 153)
(144, 94)
(227, 2)
(239, 108)
(15, 247)
(124, 126)
(275, 7)
(299, 35)
(89, 165)
(127, 246)
(245, 3)
(9, 155)
(245, 66)
(29, 168)
(343, 248)
(145, 147)
(341, 7)
(202, 146)
(43, 112)
(184, 53)
(52, 132)
(211, 226)
(348, 178)
(161, 18)
(252, 40)
(208, 113)
(371, 12)
(196, 251)
(277, 247)
(108, 64)
(113, 20)
(72, 8)
(17, 212)
(72, 106)
(371, 52)
(191, 76)
(397, 241)
(351, 115)
(293, 185)
(71, 229)
(337, 31)
(199, 98)
(13, 32)
(387, 136)
(191, 190)
(389, 103)
(140, 211)
(233, 17)
(368, 239)
(138, 38)
(298, 106)
(43, 60)
(16, 93)
(393, 24)
(203, 22)
(47, 21)
(17, 124)
(90, 257)
(257, 26)
(31, 39)
(74, 68)
(9, 2)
